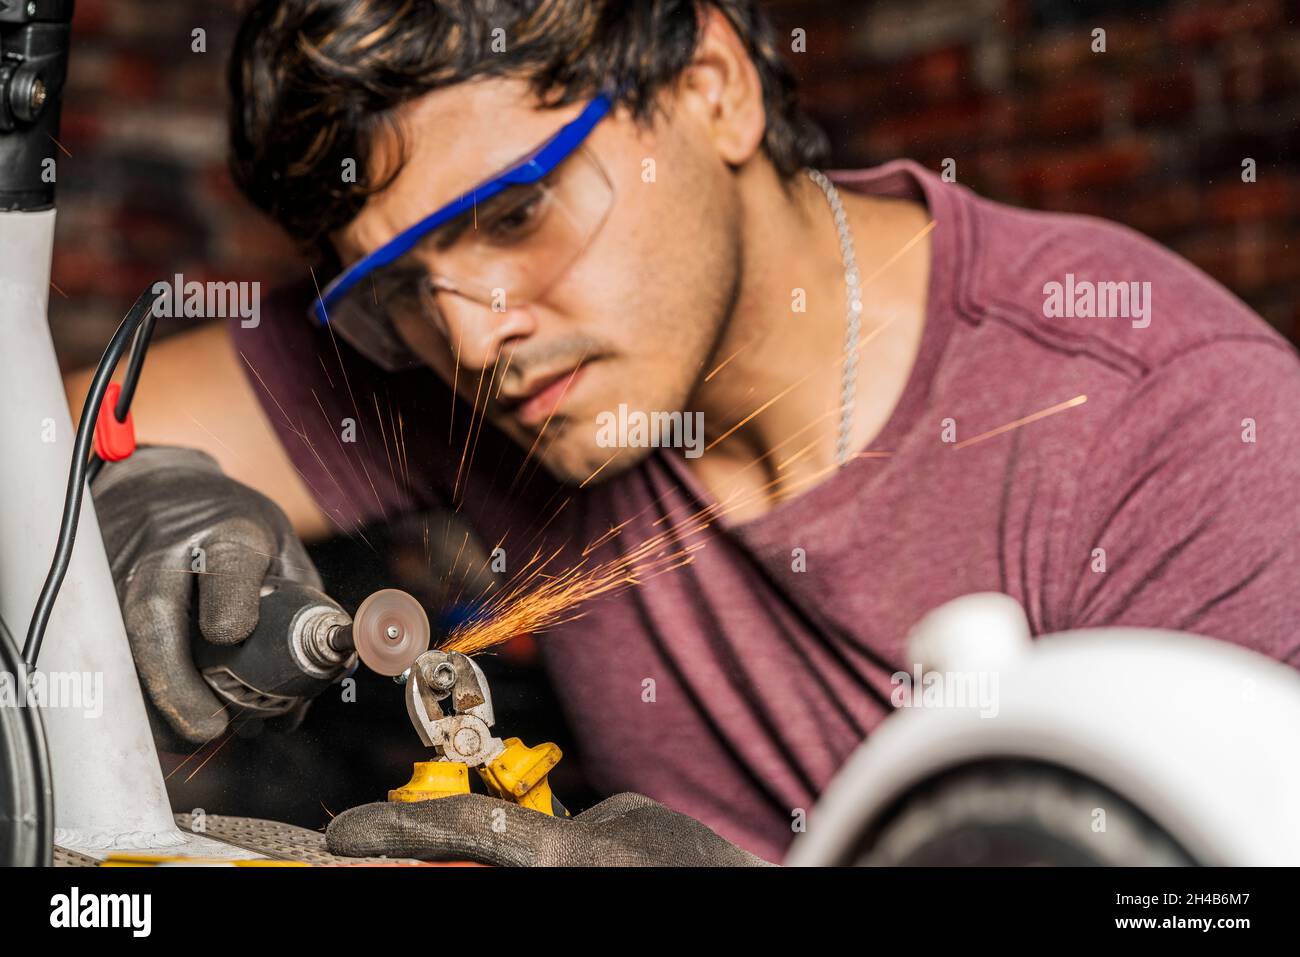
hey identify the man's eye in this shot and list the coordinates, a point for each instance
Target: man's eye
(516, 221)
(399, 289)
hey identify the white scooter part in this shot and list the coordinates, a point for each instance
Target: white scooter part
(1107, 746)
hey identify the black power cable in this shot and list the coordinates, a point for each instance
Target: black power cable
(140, 319)
(134, 365)
(26, 787)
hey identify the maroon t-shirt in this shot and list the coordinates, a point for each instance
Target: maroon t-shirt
(1183, 465)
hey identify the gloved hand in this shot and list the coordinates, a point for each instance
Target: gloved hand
(626, 830)
(174, 524)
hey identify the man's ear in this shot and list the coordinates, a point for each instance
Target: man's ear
(720, 90)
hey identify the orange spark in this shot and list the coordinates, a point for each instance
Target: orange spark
(721, 365)
(553, 600)
(1059, 407)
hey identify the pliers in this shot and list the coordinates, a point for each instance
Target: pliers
(449, 702)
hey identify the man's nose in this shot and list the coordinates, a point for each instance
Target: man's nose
(479, 331)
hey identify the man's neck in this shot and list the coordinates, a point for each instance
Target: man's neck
(772, 395)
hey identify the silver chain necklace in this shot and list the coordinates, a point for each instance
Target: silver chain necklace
(853, 318)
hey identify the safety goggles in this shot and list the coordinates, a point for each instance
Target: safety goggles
(502, 244)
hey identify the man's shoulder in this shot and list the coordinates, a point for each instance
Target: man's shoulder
(1085, 285)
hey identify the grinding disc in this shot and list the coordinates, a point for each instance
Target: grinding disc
(390, 630)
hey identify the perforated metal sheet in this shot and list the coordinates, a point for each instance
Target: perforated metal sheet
(281, 842)
(66, 858)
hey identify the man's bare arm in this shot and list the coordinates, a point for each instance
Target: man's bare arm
(194, 393)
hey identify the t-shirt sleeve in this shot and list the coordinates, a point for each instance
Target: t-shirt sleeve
(1189, 507)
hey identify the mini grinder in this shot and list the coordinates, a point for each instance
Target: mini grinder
(308, 642)
(450, 705)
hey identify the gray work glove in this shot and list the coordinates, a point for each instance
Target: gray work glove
(626, 830)
(174, 525)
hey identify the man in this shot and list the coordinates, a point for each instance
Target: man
(554, 217)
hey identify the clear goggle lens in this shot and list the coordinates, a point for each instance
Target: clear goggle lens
(503, 253)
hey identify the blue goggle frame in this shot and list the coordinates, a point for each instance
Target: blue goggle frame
(532, 168)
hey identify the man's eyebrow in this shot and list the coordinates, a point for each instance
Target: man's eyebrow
(449, 232)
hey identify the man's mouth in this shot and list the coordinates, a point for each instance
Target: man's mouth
(541, 397)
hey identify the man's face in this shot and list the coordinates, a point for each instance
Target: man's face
(633, 319)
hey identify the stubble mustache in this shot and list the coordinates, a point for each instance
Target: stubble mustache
(522, 367)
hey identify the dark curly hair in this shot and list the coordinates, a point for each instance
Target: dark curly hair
(312, 80)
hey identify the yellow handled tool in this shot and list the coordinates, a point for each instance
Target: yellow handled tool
(449, 703)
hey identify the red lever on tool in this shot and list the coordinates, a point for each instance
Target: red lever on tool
(114, 440)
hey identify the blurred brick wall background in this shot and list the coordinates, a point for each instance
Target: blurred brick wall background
(1151, 133)
(145, 192)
